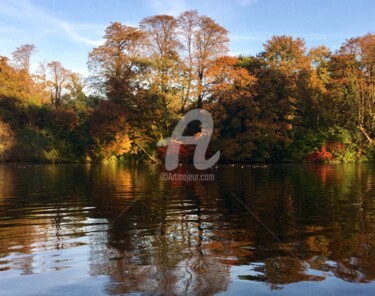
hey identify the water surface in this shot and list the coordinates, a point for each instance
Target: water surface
(116, 229)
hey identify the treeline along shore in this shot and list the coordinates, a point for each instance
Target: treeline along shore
(288, 103)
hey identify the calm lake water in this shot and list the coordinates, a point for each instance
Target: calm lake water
(255, 230)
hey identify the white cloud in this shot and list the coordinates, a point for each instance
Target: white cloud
(23, 10)
(72, 32)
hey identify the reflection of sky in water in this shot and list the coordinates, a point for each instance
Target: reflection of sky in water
(330, 286)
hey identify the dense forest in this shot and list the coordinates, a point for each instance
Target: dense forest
(287, 103)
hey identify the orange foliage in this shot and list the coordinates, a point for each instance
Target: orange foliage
(229, 82)
(109, 130)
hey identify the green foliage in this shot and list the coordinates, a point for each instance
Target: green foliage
(305, 142)
(344, 145)
(348, 152)
(42, 133)
(33, 145)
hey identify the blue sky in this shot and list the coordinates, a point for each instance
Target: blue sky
(67, 30)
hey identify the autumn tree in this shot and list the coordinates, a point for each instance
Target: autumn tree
(211, 41)
(10, 82)
(75, 95)
(232, 105)
(187, 28)
(288, 59)
(228, 81)
(115, 65)
(17, 84)
(109, 129)
(281, 94)
(22, 55)
(203, 42)
(58, 81)
(76, 86)
(21, 61)
(353, 84)
(319, 102)
(164, 58)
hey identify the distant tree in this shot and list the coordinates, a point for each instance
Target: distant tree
(21, 61)
(75, 95)
(22, 55)
(59, 80)
(76, 86)
(18, 84)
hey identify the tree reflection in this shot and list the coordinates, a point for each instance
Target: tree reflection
(187, 237)
(327, 224)
(183, 237)
(163, 242)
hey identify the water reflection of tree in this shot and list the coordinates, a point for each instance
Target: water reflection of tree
(349, 222)
(176, 239)
(324, 216)
(183, 238)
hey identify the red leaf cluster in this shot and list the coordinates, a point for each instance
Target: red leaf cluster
(321, 155)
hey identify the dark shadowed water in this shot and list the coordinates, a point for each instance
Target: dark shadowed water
(112, 229)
